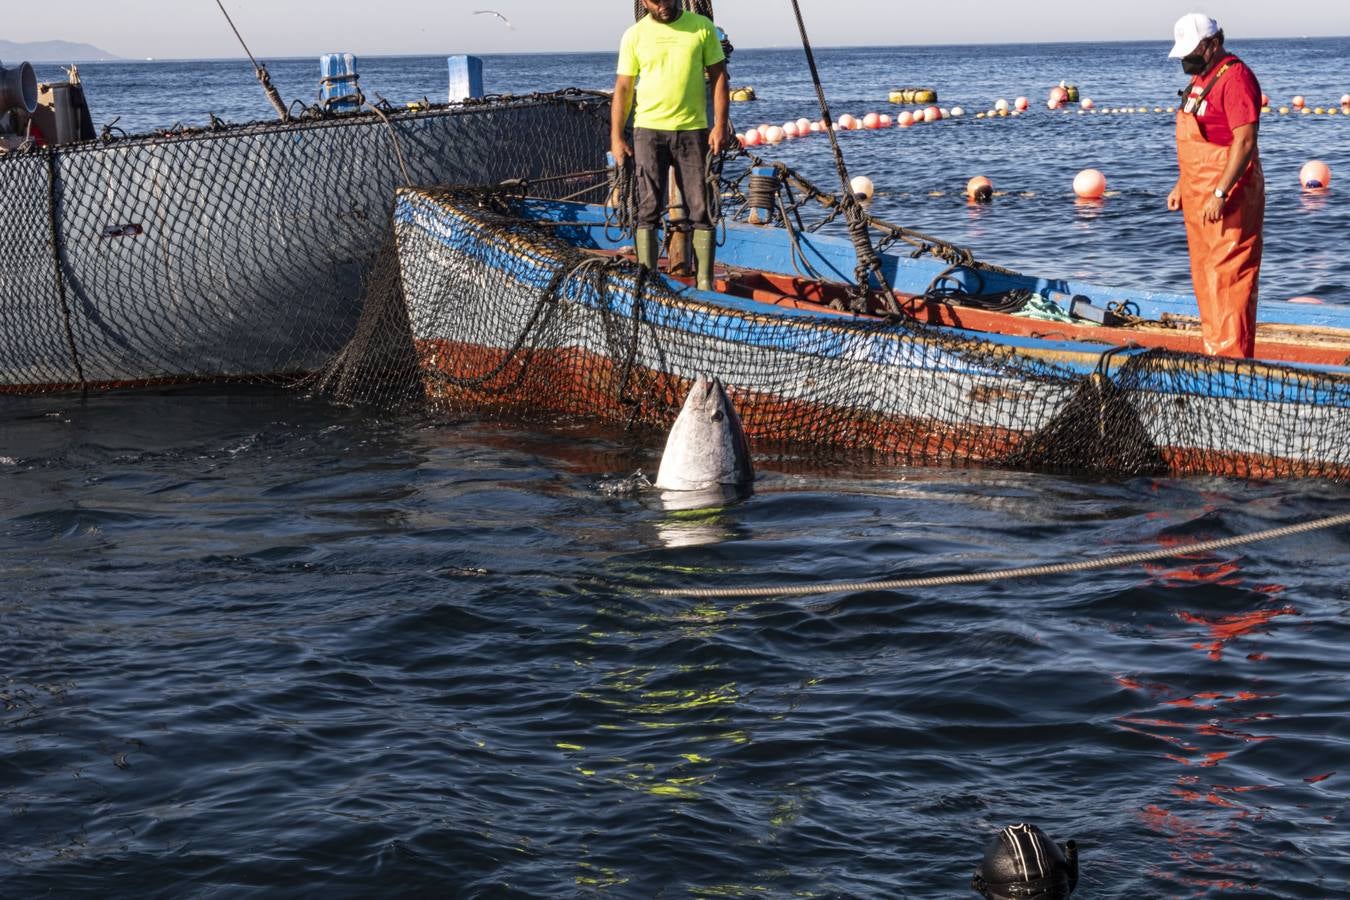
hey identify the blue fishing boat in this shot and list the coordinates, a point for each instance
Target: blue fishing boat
(526, 306)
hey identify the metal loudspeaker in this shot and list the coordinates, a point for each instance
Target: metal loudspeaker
(18, 87)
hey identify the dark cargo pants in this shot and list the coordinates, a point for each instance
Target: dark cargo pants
(654, 153)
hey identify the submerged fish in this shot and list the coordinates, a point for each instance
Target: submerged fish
(706, 450)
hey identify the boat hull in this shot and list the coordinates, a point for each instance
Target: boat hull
(513, 324)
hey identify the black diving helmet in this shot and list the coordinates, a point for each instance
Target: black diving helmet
(1021, 863)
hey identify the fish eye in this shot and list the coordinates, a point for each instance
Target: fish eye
(717, 416)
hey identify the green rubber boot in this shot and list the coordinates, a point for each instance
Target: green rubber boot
(705, 251)
(644, 243)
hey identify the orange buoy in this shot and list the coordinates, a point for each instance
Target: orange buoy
(1315, 175)
(1020, 103)
(1089, 184)
(1297, 102)
(980, 189)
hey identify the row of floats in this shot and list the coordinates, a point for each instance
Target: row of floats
(872, 121)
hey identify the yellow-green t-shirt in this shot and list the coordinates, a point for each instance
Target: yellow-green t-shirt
(668, 62)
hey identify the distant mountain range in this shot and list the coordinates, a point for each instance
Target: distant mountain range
(12, 53)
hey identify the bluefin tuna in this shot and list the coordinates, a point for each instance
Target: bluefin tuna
(706, 449)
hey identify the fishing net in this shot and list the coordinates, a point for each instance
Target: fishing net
(239, 252)
(490, 311)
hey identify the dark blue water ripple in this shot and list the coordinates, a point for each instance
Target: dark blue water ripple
(287, 645)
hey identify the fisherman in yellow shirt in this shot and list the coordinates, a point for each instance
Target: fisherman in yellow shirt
(662, 60)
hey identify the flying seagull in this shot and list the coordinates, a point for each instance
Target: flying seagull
(493, 12)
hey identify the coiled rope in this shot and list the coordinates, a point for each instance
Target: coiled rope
(1086, 565)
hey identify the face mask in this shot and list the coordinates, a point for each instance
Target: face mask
(1193, 64)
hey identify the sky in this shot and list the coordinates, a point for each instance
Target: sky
(277, 28)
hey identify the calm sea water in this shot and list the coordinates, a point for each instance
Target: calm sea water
(257, 645)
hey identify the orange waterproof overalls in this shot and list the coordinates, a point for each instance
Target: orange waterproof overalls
(1225, 255)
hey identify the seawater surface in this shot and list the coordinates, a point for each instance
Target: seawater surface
(258, 645)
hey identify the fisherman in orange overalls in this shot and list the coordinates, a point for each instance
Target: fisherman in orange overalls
(1221, 191)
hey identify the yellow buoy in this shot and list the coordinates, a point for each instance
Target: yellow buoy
(913, 95)
(742, 94)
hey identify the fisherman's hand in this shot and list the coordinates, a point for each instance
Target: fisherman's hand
(1213, 210)
(1174, 199)
(717, 141)
(620, 149)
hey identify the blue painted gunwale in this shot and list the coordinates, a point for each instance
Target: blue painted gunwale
(708, 313)
(765, 248)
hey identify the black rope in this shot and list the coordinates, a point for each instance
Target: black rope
(869, 265)
(54, 218)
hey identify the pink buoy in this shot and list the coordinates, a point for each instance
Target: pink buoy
(815, 128)
(1087, 103)
(763, 130)
(804, 125)
(774, 134)
(1265, 101)
(1315, 175)
(750, 138)
(872, 121)
(1089, 184)
(1345, 99)
(1057, 97)
(905, 119)
(847, 122)
(886, 121)
(1298, 102)
(932, 114)
(1310, 300)
(1021, 103)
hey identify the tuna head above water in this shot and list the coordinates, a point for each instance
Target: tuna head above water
(707, 446)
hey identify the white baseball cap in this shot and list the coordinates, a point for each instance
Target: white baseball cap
(1189, 31)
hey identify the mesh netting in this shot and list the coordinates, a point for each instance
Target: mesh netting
(238, 252)
(492, 314)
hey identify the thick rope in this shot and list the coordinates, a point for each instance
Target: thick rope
(869, 266)
(259, 70)
(1108, 562)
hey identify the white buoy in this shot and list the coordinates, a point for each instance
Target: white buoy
(862, 187)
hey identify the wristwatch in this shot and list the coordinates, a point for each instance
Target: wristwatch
(1220, 193)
